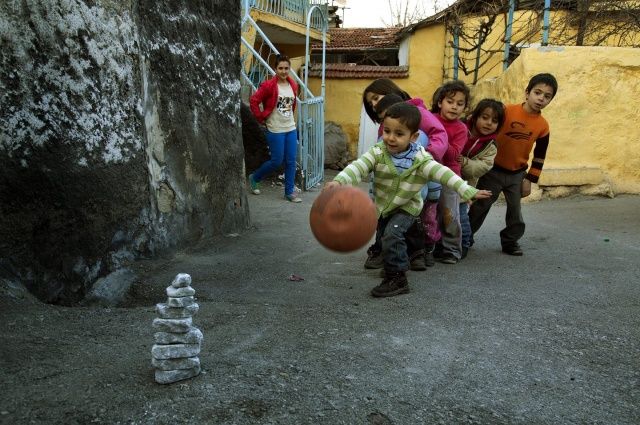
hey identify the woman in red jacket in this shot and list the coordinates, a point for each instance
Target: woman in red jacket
(277, 96)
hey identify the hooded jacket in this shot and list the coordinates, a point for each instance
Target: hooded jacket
(477, 156)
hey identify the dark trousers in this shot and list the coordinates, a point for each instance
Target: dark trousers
(414, 238)
(393, 241)
(498, 181)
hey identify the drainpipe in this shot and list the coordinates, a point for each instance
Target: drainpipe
(456, 51)
(545, 28)
(507, 37)
(478, 52)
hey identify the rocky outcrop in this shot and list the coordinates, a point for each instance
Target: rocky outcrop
(119, 136)
(336, 155)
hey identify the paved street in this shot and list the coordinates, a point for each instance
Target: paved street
(552, 337)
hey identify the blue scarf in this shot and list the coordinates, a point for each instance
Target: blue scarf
(404, 160)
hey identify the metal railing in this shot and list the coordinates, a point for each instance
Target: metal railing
(293, 10)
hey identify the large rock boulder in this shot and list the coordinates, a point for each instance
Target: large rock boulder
(336, 154)
(119, 136)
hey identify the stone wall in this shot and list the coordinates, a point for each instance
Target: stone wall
(119, 135)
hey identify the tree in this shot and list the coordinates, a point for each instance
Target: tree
(572, 22)
(406, 12)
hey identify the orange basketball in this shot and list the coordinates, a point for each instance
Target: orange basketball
(343, 219)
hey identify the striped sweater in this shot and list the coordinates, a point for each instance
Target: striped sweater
(395, 190)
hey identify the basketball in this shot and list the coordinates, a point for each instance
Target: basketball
(343, 219)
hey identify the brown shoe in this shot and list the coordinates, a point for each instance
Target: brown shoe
(374, 261)
(513, 250)
(393, 284)
(417, 261)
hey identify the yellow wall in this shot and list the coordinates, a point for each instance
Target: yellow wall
(426, 52)
(343, 102)
(593, 117)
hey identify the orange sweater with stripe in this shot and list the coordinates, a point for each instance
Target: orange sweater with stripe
(516, 139)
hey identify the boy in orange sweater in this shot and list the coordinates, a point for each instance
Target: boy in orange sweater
(524, 126)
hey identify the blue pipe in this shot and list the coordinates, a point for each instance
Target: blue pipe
(507, 37)
(545, 28)
(456, 51)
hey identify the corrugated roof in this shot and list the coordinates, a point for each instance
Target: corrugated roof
(349, 39)
(351, 70)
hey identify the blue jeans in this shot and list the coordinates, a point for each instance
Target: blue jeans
(465, 224)
(282, 146)
(394, 244)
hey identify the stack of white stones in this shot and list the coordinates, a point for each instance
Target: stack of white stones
(177, 342)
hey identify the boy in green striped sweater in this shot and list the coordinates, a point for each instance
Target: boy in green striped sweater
(400, 169)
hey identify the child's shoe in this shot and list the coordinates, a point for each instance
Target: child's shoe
(429, 261)
(438, 252)
(374, 261)
(448, 258)
(417, 261)
(513, 250)
(293, 198)
(394, 283)
(465, 251)
(255, 188)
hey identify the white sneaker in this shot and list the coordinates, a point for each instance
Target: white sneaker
(253, 185)
(293, 198)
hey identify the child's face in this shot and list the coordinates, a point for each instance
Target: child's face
(282, 70)
(373, 99)
(487, 122)
(452, 106)
(397, 136)
(538, 98)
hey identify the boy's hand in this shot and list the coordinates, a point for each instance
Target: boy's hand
(525, 190)
(460, 159)
(483, 194)
(330, 185)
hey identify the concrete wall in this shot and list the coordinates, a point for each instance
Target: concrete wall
(594, 137)
(119, 136)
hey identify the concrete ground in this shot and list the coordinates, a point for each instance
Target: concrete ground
(552, 337)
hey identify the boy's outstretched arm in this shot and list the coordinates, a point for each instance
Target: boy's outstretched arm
(435, 171)
(358, 169)
(482, 194)
(331, 185)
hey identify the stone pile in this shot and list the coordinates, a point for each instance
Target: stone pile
(177, 341)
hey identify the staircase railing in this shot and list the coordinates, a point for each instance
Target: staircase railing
(292, 10)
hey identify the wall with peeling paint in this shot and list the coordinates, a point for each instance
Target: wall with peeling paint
(119, 135)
